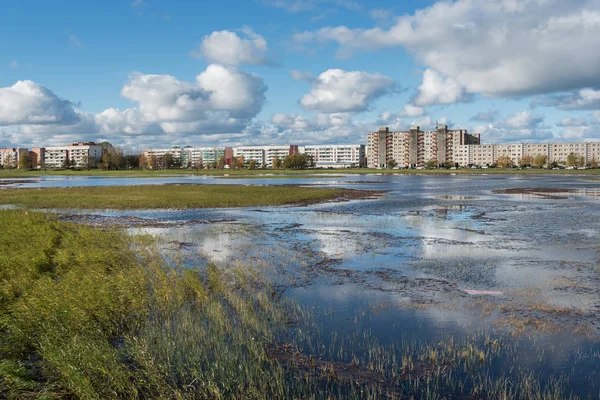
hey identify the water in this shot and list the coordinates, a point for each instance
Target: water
(400, 266)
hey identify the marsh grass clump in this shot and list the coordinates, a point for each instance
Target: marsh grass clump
(173, 196)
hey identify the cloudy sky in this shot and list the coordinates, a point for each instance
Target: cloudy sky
(156, 73)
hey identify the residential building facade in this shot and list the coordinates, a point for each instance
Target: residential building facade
(81, 154)
(414, 148)
(263, 155)
(10, 157)
(336, 156)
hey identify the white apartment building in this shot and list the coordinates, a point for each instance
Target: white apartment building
(79, 155)
(336, 156)
(264, 155)
(488, 154)
(206, 155)
(9, 157)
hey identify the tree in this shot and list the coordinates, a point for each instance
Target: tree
(276, 162)
(295, 161)
(252, 164)
(221, 162)
(526, 161)
(540, 160)
(152, 162)
(449, 164)
(431, 164)
(391, 163)
(167, 160)
(24, 161)
(241, 161)
(593, 163)
(199, 164)
(7, 162)
(85, 161)
(142, 161)
(572, 160)
(504, 162)
(66, 163)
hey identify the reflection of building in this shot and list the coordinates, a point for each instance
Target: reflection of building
(336, 156)
(10, 157)
(415, 147)
(488, 154)
(81, 154)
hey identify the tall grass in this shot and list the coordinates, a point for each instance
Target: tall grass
(97, 314)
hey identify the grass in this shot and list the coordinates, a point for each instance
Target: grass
(245, 172)
(94, 314)
(169, 196)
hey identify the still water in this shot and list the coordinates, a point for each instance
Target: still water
(431, 258)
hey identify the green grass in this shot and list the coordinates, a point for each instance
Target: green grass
(167, 196)
(245, 172)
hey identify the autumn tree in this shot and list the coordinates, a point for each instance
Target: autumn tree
(276, 162)
(504, 162)
(526, 161)
(199, 164)
(221, 162)
(593, 163)
(540, 160)
(241, 161)
(252, 164)
(142, 161)
(573, 160)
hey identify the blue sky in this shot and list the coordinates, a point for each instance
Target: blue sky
(159, 73)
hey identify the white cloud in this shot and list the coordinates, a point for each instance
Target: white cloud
(337, 91)
(519, 127)
(412, 111)
(168, 111)
(227, 48)
(301, 76)
(75, 41)
(497, 48)
(27, 102)
(583, 99)
(570, 122)
(436, 89)
(381, 14)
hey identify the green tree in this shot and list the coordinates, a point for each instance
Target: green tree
(7, 162)
(252, 164)
(391, 163)
(540, 160)
(24, 161)
(167, 161)
(572, 160)
(66, 163)
(431, 164)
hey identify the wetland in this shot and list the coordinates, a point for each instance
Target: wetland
(482, 286)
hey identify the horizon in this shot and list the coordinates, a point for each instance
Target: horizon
(296, 71)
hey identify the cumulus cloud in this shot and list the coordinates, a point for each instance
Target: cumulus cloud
(410, 110)
(27, 102)
(583, 99)
(227, 48)
(519, 127)
(496, 48)
(168, 110)
(436, 89)
(336, 91)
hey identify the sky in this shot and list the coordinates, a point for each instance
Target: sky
(155, 73)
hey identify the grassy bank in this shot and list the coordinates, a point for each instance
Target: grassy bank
(245, 172)
(170, 196)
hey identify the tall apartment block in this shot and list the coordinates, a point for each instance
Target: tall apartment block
(336, 156)
(415, 147)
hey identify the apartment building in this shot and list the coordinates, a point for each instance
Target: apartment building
(415, 147)
(336, 156)
(264, 155)
(10, 156)
(488, 154)
(205, 155)
(81, 154)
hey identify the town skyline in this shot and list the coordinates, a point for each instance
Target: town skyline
(297, 71)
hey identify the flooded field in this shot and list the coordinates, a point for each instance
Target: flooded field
(440, 286)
